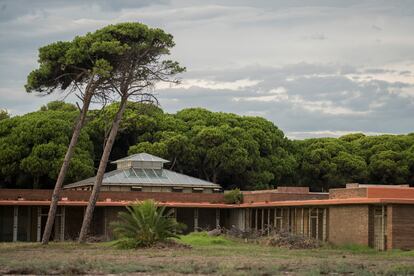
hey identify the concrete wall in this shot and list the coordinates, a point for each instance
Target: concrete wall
(349, 225)
(236, 218)
(400, 220)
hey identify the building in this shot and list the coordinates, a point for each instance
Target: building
(145, 172)
(378, 216)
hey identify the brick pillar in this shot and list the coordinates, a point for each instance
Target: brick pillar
(389, 226)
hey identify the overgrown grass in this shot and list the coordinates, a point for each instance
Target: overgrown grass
(203, 239)
(353, 248)
(401, 270)
(340, 268)
(208, 256)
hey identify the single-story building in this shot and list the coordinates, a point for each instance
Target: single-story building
(378, 216)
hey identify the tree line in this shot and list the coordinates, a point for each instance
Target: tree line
(235, 151)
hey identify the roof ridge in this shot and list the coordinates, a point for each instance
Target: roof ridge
(147, 157)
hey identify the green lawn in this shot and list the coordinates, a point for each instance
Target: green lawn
(208, 255)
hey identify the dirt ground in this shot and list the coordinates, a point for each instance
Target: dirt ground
(215, 257)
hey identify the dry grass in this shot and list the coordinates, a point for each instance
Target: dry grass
(208, 256)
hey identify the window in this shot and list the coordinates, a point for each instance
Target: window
(177, 189)
(198, 190)
(136, 188)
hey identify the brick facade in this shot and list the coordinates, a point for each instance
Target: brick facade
(400, 192)
(42, 195)
(276, 195)
(341, 218)
(372, 216)
(347, 193)
(400, 222)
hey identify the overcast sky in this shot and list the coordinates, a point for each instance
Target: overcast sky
(314, 68)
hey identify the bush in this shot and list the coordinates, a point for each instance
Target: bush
(233, 197)
(144, 224)
(291, 241)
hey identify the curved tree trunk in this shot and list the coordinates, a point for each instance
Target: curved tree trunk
(101, 171)
(66, 161)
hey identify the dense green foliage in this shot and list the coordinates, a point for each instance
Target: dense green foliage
(234, 151)
(4, 114)
(33, 146)
(329, 162)
(86, 60)
(234, 196)
(144, 224)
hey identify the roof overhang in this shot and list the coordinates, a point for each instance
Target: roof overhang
(296, 203)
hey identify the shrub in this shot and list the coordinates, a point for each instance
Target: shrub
(144, 224)
(289, 240)
(233, 197)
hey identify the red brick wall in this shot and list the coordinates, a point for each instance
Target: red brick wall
(269, 197)
(347, 193)
(303, 190)
(377, 192)
(37, 194)
(372, 192)
(349, 225)
(400, 227)
(13, 194)
(252, 197)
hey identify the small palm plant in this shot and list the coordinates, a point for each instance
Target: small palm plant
(143, 224)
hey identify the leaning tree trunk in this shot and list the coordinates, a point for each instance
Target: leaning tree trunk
(66, 161)
(101, 171)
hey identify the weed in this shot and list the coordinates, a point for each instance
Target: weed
(203, 239)
(401, 270)
(209, 256)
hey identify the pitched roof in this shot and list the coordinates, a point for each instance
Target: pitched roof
(146, 177)
(142, 157)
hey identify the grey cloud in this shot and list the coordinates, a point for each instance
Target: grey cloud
(350, 105)
(405, 73)
(324, 53)
(10, 9)
(375, 27)
(317, 36)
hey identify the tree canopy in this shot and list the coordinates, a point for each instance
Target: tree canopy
(33, 146)
(134, 73)
(234, 151)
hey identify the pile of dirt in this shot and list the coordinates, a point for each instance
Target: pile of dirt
(290, 241)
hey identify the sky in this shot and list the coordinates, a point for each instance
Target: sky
(314, 68)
